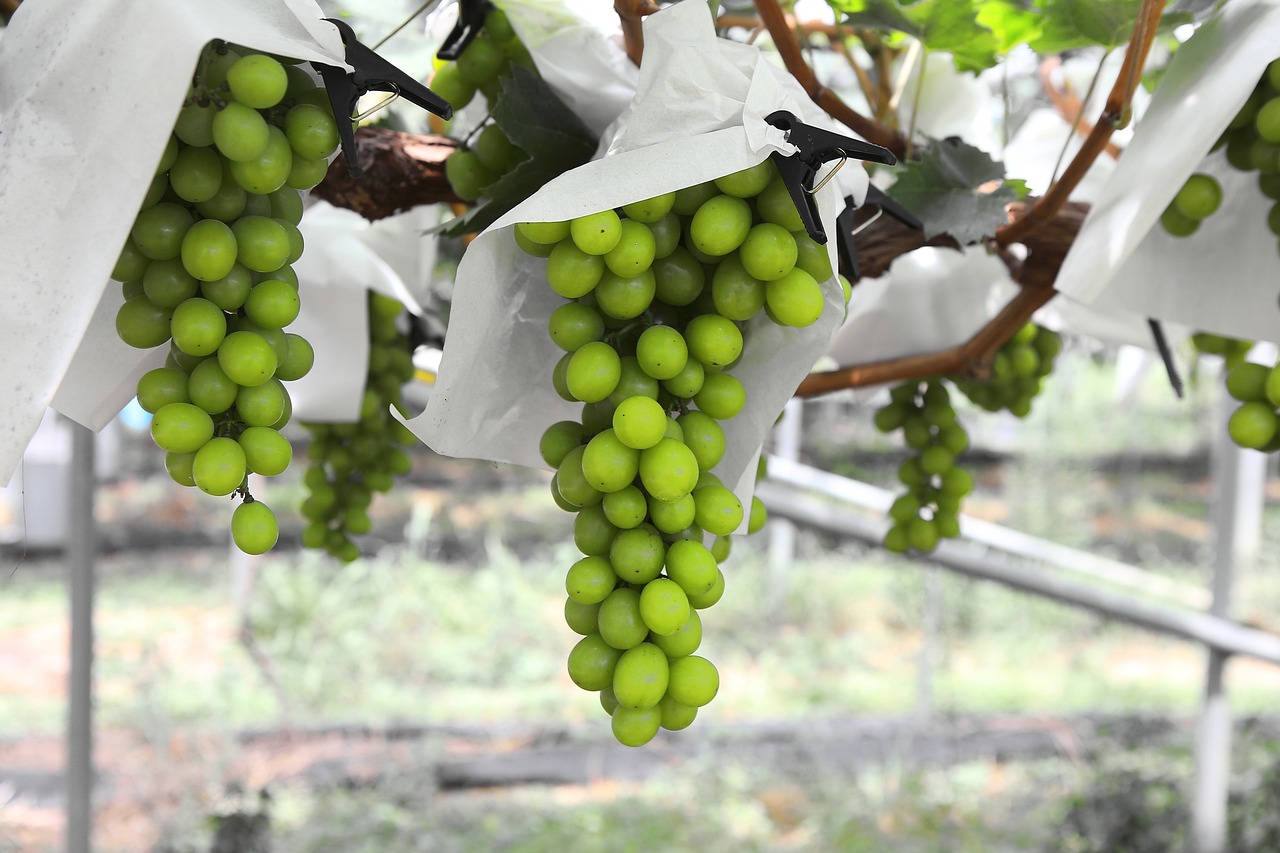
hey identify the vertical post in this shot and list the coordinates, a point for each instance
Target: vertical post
(782, 532)
(80, 549)
(931, 626)
(1238, 477)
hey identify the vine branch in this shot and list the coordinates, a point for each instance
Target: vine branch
(1114, 115)
(1068, 104)
(775, 21)
(887, 239)
(632, 14)
(402, 170)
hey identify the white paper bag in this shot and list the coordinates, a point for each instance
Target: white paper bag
(88, 96)
(1225, 278)
(698, 114)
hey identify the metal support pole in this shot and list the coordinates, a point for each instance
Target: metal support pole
(1239, 477)
(81, 546)
(782, 533)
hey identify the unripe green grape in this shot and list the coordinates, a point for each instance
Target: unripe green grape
(635, 726)
(597, 417)
(922, 534)
(608, 463)
(194, 126)
(268, 171)
(254, 528)
(230, 291)
(711, 596)
(640, 679)
(703, 435)
(209, 250)
(596, 233)
(720, 225)
(592, 661)
(625, 298)
(168, 284)
(666, 235)
(720, 549)
(558, 439)
(638, 423)
(713, 340)
(1200, 196)
(1253, 425)
(467, 175)
(257, 81)
(632, 382)
(1248, 382)
(671, 516)
(747, 182)
(178, 466)
(262, 404)
(131, 264)
(722, 396)
(448, 83)
(247, 358)
(693, 681)
(266, 451)
(662, 352)
(735, 292)
(717, 510)
(158, 231)
(272, 304)
(198, 326)
(159, 387)
(812, 257)
(684, 640)
(619, 619)
(196, 174)
(592, 372)
(637, 554)
(769, 252)
(689, 199)
(219, 467)
(298, 360)
(795, 299)
(673, 716)
(688, 382)
(592, 532)
(625, 508)
(668, 470)
(480, 61)
(651, 209)
(776, 206)
(571, 272)
(262, 243)
(573, 485)
(759, 516)
(181, 427)
(311, 131)
(678, 278)
(634, 252)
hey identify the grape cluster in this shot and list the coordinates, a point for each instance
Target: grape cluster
(929, 510)
(1252, 142)
(480, 67)
(352, 461)
(1232, 350)
(656, 295)
(206, 270)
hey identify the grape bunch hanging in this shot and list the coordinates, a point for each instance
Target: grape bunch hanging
(487, 155)
(1252, 142)
(929, 510)
(656, 297)
(206, 270)
(350, 462)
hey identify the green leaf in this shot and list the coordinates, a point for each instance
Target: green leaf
(949, 25)
(1013, 22)
(942, 189)
(539, 123)
(1080, 23)
(1019, 188)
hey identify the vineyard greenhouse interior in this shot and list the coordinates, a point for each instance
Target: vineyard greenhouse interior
(559, 425)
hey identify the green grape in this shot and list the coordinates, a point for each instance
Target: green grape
(131, 264)
(230, 291)
(640, 678)
(625, 298)
(1267, 121)
(181, 427)
(254, 528)
(196, 174)
(159, 387)
(812, 257)
(1253, 425)
(219, 467)
(703, 436)
(257, 81)
(266, 451)
(775, 205)
(619, 619)
(722, 396)
(158, 231)
(261, 405)
(311, 131)
(638, 423)
(198, 326)
(735, 292)
(1199, 197)
(633, 382)
(480, 61)
(558, 439)
(662, 352)
(720, 225)
(672, 516)
(272, 304)
(448, 83)
(668, 470)
(634, 252)
(1248, 382)
(592, 532)
(571, 272)
(573, 485)
(711, 596)
(748, 182)
(625, 508)
(664, 606)
(637, 554)
(298, 360)
(592, 662)
(678, 277)
(608, 463)
(209, 250)
(635, 726)
(688, 200)
(673, 716)
(596, 233)
(194, 127)
(467, 175)
(769, 252)
(167, 283)
(795, 299)
(688, 382)
(269, 170)
(592, 372)
(178, 466)
(717, 510)
(713, 340)
(247, 358)
(262, 243)
(684, 640)
(650, 210)
(758, 516)
(693, 681)
(666, 235)
(692, 567)
(240, 133)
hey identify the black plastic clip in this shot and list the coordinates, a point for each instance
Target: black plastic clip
(371, 73)
(816, 147)
(846, 250)
(471, 15)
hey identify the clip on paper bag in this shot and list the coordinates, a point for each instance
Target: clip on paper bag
(1224, 277)
(699, 113)
(88, 95)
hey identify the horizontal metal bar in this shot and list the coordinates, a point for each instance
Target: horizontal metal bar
(998, 536)
(810, 508)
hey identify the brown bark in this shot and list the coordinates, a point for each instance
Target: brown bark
(401, 170)
(7, 8)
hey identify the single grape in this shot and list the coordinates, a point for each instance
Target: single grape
(219, 467)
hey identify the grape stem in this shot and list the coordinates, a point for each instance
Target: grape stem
(887, 239)
(1115, 114)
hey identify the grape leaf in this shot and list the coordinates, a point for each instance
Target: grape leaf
(1069, 24)
(535, 119)
(949, 25)
(942, 189)
(1013, 22)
